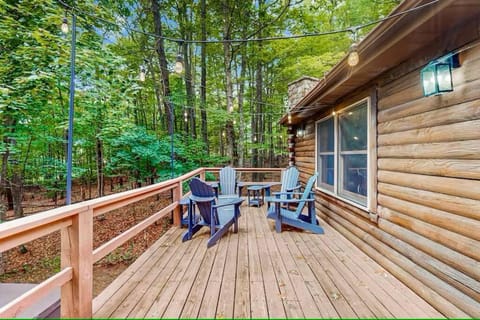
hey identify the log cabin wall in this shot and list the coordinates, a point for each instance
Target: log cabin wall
(427, 186)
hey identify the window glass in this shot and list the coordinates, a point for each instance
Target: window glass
(326, 156)
(355, 174)
(326, 139)
(353, 153)
(327, 169)
(353, 129)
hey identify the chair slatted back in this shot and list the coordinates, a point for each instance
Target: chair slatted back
(228, 181)
(202, 190)
(306, 194)
(289, 179)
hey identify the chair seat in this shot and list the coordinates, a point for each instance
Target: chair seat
(225, 215)
(295, 218)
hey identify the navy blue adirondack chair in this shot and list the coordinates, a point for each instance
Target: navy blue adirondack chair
(282, 215)
(219, 216)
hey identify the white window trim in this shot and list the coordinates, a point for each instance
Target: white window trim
(370, 129)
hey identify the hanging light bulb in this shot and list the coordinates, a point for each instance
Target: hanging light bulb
(178, 68)
(289, 118)
(64, 26)
(353, 57)
(141, 76)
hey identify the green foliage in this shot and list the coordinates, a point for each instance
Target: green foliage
(137, 153)
(123, 120)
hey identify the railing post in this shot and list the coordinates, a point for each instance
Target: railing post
(177, 195)
(202, 174)
(77, 246)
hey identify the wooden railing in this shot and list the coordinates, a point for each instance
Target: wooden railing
(75, 223)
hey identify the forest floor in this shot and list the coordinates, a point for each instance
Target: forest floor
(40, 259)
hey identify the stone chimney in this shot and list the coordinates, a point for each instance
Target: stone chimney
(299, 88)
(296, 91)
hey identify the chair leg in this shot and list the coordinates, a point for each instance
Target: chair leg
(190, 232)
(235, 219)
(278, 218)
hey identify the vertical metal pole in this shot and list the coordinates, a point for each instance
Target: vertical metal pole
(70, 111)
(172, 168)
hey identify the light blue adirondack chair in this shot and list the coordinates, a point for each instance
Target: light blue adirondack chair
(217, 214)
(289, 183)
(295, 218)
(228, 182)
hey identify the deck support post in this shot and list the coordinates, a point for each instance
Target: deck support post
(77, 246)
(177, 212)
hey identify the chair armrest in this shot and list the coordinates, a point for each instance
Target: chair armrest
(294, 188)
(229, 203)
(288, 193)
(201, 199)
(277, 200)
(213, 184)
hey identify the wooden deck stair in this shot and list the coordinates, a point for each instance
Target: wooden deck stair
(258, 273)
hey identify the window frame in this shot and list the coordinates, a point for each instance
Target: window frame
(371, 127)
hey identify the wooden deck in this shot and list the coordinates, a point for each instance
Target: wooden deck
(258, 273)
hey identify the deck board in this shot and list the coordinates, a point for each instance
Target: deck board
(257, 273)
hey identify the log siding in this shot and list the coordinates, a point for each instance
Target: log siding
(426, 182)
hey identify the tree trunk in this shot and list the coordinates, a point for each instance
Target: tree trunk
(259, 123)
(186, 33)
(241, 93)
(162, 59)
(228, 59)
(203, 76)
(100, 176)
(158, 99)
(17, 193)
(4, 182)
(5, 189)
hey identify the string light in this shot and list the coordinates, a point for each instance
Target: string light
(185, 116)
(141, 76)
(313, 34)
(353, 57)
(178, 68)
(289, 118)
(333, 113)
(64, 26)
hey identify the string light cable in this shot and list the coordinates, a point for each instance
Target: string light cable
(244, 40)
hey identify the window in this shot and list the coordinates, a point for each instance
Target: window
(326, 153)
(342, 153)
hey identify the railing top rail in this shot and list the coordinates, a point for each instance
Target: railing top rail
(215, 169)
(21, 225)
(10, 228)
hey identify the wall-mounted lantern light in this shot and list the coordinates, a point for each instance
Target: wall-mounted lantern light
(437, 75)
(301, 131)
